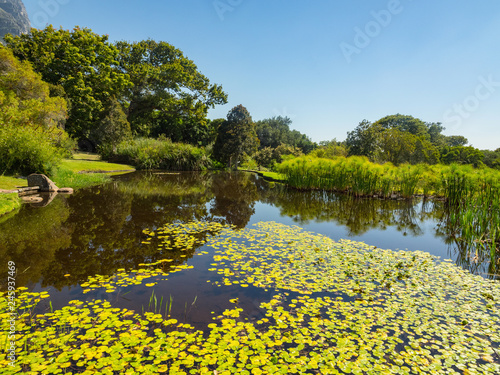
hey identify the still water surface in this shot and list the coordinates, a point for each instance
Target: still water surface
(101, 229)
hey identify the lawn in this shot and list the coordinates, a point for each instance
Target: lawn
(82, 163)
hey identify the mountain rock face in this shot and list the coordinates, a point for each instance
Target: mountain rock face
(13, 18)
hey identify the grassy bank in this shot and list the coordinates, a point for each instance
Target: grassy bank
(84, 170)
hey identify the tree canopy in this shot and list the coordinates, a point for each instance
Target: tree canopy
(24, 97)
(275, 131)
(401, 139)
(236, 136)
(81, 65)
(160, 91)
(169, 95)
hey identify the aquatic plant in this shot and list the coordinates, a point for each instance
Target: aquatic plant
(472, 195)
(338, 307)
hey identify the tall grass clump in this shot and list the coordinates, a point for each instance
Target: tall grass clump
(473, 210)
(25, 150)
(472, 194)
(147, 153)
(354, 175)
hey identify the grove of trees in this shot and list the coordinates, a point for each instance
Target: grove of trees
(77, 85)
(158, 89)
(405, 139)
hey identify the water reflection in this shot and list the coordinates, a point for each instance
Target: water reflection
(99, 230)
(357, 214)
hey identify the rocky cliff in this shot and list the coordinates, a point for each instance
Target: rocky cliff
(13, 18)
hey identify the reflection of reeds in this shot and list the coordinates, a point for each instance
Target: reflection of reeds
(156, 307)
(472, 195)
(473, 208)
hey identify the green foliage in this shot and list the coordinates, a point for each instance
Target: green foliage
(24, 150)
(492, 158)
(329, 150)
(462, 155)
(362, 140)
(147, 153)
(82, 63)
(455, 140)
(276, 131)
(170, 96)
(359, 176)
(235, 136)
(398, 147)
(335, 307)
(403, 123)
(24, 98)
(396, 139)
(113, 128)
(267, 157)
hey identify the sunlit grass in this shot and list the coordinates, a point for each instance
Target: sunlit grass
(85, 170)
(81, 165)
(86, 156)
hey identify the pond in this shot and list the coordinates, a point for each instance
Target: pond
(170, 232)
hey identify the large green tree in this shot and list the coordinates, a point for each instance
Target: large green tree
(362, 140)
(276, 131)
(397, 139)
(235, 137)
(404, 123)
(170, 96)
(463, 155)
(81, 65)
(24, 97)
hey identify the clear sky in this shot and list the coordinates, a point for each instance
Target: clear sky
(326, 64)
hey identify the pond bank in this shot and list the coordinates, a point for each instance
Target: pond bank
(84, 170)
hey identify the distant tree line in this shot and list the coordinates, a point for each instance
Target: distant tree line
(405, 139)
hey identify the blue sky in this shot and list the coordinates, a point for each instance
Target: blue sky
(326, 64)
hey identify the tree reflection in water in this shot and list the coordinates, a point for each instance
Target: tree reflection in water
(100, 230)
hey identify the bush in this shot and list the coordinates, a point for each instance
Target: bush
(268, 157)
(147, 153)
(24, 150)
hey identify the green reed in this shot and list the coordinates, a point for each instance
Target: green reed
(472, 195)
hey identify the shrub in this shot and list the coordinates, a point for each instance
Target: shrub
(147, 153)
(24, 150)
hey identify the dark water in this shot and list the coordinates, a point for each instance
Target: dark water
(100, 230)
